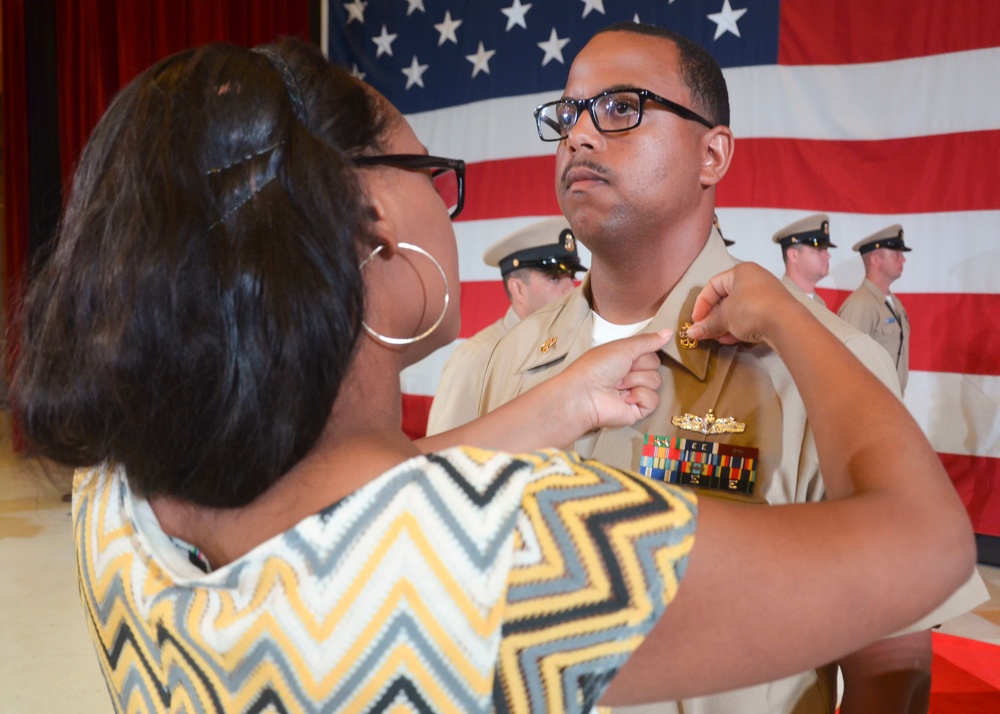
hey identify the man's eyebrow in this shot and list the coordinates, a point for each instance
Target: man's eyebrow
(621, 88)
(612, 88)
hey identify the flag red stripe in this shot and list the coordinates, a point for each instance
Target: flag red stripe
(895, 176)
(951, 332)
(416, 409)
(915, 175)
(483, 303)
(867, 31)
(508, 188)
(977, 480)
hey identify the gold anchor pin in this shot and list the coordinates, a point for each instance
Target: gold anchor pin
(682, 337)
(549, 344)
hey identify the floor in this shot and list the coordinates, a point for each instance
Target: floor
(47, 663)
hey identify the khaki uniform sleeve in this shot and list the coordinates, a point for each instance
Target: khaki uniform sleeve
(455, 402)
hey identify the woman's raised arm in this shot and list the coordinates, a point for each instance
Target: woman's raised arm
(771, 591)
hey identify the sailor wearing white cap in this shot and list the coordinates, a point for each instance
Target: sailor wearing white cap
(538, 264)
(805, 250)
(872, 308)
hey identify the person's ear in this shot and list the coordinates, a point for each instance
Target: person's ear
(718, 146)
(382, 227)
(518, 290)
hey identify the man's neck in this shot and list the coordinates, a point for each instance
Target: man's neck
(630, 287)
(807, 286)
(881, 283)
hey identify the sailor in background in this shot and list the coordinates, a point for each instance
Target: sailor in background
(805, 250)
(538, 264)
(872, 308)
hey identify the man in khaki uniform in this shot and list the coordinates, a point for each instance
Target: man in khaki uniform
(805, 250)
(892, 675)
(872, 308)
(643, 140)
(538, 264)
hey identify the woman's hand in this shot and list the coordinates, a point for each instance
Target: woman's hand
(616, 383)
(741, 305)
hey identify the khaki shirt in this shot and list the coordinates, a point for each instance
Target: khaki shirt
(748, 383)
(455, 402)
(794, 289)
(867, 310)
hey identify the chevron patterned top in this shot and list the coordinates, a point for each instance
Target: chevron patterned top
(462, 581)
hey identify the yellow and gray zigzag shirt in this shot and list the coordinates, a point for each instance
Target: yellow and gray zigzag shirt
(462, 581)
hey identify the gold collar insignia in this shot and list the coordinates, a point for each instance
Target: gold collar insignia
(683, 339)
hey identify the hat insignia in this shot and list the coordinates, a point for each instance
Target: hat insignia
(569, 242)
(709, 424)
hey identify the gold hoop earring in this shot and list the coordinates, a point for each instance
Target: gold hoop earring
(444, 278)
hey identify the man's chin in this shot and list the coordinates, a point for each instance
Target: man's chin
(584, 216)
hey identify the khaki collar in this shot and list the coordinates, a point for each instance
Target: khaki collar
(874, 289)
(570, 323)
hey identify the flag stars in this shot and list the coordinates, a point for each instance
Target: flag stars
(355, 11)
(725, 20)
(553, 48)
(515, 14)
(446, 29)
(481, 60)
(589, 5)
(415, 73)
(357, 73)
(384, 43)
(414, 5)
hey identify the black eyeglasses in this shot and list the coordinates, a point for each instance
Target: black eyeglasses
(448, 175)
(614, 110)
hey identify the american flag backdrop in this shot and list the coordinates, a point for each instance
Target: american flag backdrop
(875, 112)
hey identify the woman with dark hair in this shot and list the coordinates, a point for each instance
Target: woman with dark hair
(255, 246)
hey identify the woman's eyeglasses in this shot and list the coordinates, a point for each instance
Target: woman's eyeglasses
(448, 175)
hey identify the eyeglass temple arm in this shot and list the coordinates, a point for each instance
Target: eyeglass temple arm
(551, 123)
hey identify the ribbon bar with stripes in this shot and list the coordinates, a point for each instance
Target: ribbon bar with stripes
(702, 464)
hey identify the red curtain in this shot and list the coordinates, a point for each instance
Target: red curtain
(103, 44)
(15, 149)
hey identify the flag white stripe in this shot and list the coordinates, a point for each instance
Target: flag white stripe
(422, 378)
(953, 252)
(957, 412)
(881, 100)
(935, 399)
(923, 96)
